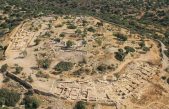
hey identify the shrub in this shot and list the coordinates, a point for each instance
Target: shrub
(80, 105)
(37, 41)
(44, 63)
(18, 69)
(142, 44)
(2, 55)
(117, 75)
(56, 17)
(81, 71)
(78, 31)
(67, 17)
(2, 101)
(57, 40)
(78, 72)
(99, 24)
(49, 26)
(167, 69)
(62, 35)
(23, 54)
(146, 49)
(166, 52)
(168, 80)
(69, 44)
(6, 79)
(30, 79)
(42, 75)
(48, 34)
(1, 47)
(84, 42)
(64, 66)
(98, 41)
(91, 29)
(9, 98)
(121, 37)
(167, 33)
(102, 68)
(83, 35)
(120, 55)
(129, 49)
(84, 22)
(71, 26)
(4, 68)
(31, 102)
(163, 77)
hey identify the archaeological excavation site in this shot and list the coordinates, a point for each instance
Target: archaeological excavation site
(69, 61)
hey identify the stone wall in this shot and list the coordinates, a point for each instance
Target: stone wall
(27, 85)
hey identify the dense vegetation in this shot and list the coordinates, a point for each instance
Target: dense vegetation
(134, 14)
(64, 66)
(8, 98)
(31, 102)
(137, 15)
(80, 105)
(144, 17)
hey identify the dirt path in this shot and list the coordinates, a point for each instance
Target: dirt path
(153, 104)
(1, 79)
(165, 61)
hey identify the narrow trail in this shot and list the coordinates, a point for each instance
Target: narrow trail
(165, 60)
(153, 103)
(1, 80)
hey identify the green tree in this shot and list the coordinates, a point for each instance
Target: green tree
(69, 44)
(120, 55)
(80, 105)
(91, 29)
(64, 66)
(9, 98)
(31, 102)
(4, 68)
(44, 63)
(62, 34)
(129, 49)
(121, 37)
